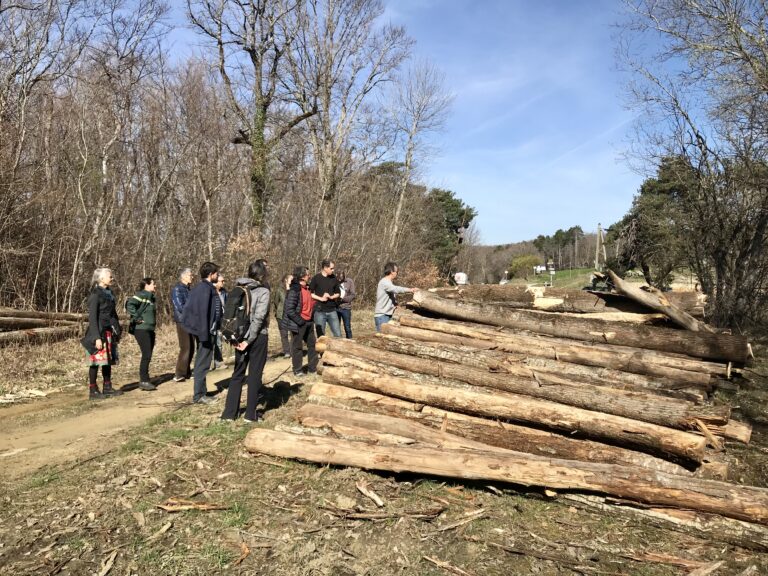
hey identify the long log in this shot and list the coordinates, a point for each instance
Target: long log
(39, 334)
(503, 405)
(655, 377)
(557, 299)
(657, 301)
(12, 323)
(63, 316)
(610, 356)
(741, 502)
(424, 359)
(701, 525)
(697, 344)
(497, 433)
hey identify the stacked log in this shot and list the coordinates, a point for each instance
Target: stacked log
(29, 326)
(487, 391)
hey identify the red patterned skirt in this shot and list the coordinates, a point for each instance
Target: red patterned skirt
(107, 356)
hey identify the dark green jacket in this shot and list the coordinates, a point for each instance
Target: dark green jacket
(278, 303)
(141, 309)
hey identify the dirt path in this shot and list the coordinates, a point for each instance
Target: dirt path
(68, 428)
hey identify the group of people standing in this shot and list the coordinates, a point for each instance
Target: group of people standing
(304, 306)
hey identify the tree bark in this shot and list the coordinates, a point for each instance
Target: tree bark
(64, 316)
(573, 353)
(396, 337)
(741, 502)
(621, 357)
(658, 302)
(697, 344)
(12, 323)
(494, 432)
(34, 335)
(564, 299)
(616, 429)
(701, 525)
(419, 358)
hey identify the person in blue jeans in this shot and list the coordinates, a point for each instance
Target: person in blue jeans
(348, 294)
(326, 292)
(386, 300)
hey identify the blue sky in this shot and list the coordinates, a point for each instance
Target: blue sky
(536, 132)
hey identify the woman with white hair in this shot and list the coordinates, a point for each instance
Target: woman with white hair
(103, 333)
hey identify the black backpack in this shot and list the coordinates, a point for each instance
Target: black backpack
(237, 315)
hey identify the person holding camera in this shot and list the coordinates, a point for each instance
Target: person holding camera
(141, 309)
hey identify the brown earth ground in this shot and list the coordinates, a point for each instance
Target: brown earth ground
(81, 485)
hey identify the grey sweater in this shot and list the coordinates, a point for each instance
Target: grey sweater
(385, 297)
(259, 309)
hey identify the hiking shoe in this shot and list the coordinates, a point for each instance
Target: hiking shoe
(95, 394)
(148, 386)
(179, 378)
(299, 374)
(109, 391)
(258, 417)
(206, 400)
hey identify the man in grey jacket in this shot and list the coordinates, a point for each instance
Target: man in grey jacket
(251, 352)
(386, 302)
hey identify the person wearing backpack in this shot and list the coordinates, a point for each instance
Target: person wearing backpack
(297, 318)
(252, 295)
(200, 318)
(141, 310)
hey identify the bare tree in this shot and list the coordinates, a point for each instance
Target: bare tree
(421, 105)
(251, 38)
(341, 58)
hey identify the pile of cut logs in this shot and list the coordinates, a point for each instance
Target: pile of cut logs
(29, 326)
(479, 384)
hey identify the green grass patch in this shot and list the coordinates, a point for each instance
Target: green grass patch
(42, 478)
(218, 556)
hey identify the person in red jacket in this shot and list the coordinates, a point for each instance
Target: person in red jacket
(297, 319)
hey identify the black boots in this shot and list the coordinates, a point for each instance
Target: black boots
(109, 391)
(94, 394)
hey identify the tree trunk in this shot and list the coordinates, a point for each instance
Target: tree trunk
(742, 502)
(12, 323)
(574, 353)
(395, 335)
(658, 302)
(697, 344)
(556, 299)
(492, 432)
(35, 335)
(701, 525)
(621, 357)
(65, 316)
(419, 358)
(614, 429)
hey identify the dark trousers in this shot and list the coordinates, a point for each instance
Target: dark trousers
(306, 334)
(203, 358)
(253, 358)
(345, 315)
(284, 340)
(146, 341)
(186, 348)
(93, 372)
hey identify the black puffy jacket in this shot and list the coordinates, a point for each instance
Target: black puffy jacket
(292, 319)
